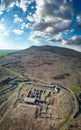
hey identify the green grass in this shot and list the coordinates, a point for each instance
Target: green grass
(66, 123)
(2, 54)
(74, 89)
(43, 96)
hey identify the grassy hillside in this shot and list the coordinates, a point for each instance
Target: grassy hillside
(2, 54)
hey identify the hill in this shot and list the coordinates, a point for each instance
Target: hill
(52, 64)
(40, 68)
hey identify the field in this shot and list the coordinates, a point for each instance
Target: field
(75, 90)
(2, 54)
(6, 52)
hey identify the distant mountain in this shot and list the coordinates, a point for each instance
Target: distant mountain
(7, 51)
(50, 63)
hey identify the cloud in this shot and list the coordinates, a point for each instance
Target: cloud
(51, 19)
(17, 31)
(56, 38)
(35, 41)
(78, 24)
(17, 19)
(5, 4)
(56, 9)
(22, 4)
(36, 36)
(30, 18)
(72, 41)
(49, 29)
(52, 16)
(1, 12)
(2, 28)
(52, 27)
(75, 40)
(25, 26)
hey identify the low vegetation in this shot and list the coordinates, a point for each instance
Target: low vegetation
(44, 66)
(2, 54)
(75, 90)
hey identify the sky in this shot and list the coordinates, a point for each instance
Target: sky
(24, 23)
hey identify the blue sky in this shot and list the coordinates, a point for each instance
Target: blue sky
(24, 23)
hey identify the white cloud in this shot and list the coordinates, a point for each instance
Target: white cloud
(1, 12)
(74, 41)
(64, 42)
(17, 19)
(25, 25)
(7, 4)
(12, 5)
(38, 14)
(53, 8)
(49, 30)
(30, 18)
(2, 20)
(38, 35)
(17, 31)
(32, 7)
(56, 38)
(52, 16)
(2, 28)
(23, 4)
(74, 38)
(34, 38)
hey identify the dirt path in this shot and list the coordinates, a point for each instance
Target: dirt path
(75, 106)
